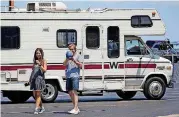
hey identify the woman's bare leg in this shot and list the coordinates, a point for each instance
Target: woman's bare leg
(38, 99)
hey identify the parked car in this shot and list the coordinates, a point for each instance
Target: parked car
(175, 45)
(166, 49)
(150, 43)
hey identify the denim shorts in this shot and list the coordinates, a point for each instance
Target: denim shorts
(72, 83)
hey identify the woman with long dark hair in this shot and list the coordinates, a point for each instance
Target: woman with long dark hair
(37, 78)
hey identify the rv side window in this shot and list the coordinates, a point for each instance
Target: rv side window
(10, 37)
(113, 41)
(66, 37)
(135, 47)
(92, 37)
(141, 21)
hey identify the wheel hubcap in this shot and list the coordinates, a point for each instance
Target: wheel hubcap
(155, 88)
(48, 92)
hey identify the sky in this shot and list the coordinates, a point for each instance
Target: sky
(168, 10)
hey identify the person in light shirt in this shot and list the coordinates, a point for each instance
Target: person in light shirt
(73, 65)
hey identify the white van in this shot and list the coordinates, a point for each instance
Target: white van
(115, 58)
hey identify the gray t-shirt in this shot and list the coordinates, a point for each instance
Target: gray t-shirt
(72, 69)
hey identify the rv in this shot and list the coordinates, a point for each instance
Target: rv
(114, 56)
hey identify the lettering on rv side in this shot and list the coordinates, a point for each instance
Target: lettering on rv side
(113, 65)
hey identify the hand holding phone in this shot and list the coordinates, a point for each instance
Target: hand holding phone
(37, 61)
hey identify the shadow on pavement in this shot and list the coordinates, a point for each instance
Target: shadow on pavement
(85, 100)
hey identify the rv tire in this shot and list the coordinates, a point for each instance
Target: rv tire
(126, 95)
(154, 88)
(50, 93)
(18, 96)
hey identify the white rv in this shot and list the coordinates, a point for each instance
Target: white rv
(115, 58)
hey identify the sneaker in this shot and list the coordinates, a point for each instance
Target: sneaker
(73, 111)
(42, 109)
(37, 110)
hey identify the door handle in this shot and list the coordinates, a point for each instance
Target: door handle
(129, 59)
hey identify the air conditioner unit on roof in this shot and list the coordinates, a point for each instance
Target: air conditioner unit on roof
(39, 6)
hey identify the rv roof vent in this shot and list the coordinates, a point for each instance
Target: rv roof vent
(40, 6)
(98, 10)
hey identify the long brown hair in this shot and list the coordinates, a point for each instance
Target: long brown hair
(35, 57)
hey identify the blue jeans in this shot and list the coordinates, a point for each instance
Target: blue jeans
(72, 83)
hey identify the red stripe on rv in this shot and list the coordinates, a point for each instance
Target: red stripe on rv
(16, 67)
(96, 66)
(56, 67)
(52, 67)
(91, 66)
(3, 68)
(137, 66)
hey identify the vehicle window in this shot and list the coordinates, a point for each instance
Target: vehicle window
(113, 41)
(156, 46)
(176, 46)
(140, 21)
(150, 43)
(135, 47)
(92, 37)
(135, 21)
(10, 37)
(145, 21)
(66, 37)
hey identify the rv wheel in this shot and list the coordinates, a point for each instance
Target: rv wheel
(154, 88)
(126, 95)
(50, 93)
(18, 96)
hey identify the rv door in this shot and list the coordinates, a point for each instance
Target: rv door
(92, 71)
(138, 61)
